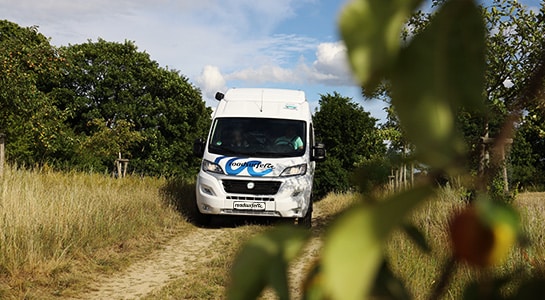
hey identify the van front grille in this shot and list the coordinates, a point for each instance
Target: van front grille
(251, 187)
(250, 198)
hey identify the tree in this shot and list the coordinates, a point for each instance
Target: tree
(399, 153)
(350, 135)
(514, 39)
(107, 141)
(526, 161)
(329, 177)
(514, 42)
(29, 68)
(114, 83)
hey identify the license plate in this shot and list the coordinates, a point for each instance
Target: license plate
(249, 205)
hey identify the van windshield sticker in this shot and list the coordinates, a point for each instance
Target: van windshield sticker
(234, 167)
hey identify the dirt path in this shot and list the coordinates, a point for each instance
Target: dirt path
(172, 261)
(180, 255)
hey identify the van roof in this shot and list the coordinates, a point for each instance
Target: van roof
(265, 95)
(264, 103)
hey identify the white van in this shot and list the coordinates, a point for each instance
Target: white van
(259, 157)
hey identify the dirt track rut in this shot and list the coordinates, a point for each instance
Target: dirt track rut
(176, 258)
(180, 255)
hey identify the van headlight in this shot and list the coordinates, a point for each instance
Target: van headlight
(294, 170)
(211, 167)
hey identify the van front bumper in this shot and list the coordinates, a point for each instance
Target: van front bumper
(291, 201)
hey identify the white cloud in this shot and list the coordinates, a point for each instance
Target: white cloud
(330, 67)
(182, 34)
(211, 81)
(232, 17)
(264, 74)
(58, 12)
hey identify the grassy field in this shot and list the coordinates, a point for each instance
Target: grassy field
(58, 231)
(57, 228)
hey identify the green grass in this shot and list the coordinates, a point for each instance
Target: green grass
(56, 227)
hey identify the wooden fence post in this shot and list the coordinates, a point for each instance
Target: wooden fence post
(2, 154)
(121, 165)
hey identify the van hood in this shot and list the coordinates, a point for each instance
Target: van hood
(254, 167)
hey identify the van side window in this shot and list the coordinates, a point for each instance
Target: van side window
(311, 135)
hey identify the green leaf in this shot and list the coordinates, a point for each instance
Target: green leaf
(263, 261)
(353, 248)
(440, 70)
(371, 30)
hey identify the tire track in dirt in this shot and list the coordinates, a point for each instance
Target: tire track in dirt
(176, 258)
(299, 268)
(181, 255)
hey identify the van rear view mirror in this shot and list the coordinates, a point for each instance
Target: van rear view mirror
(219, 96)
(319, 152)
(198, 148)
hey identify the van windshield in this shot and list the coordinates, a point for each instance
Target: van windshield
(258, 137)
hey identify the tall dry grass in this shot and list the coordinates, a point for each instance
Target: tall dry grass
(420, 271)
(531, 207)
(51, 222)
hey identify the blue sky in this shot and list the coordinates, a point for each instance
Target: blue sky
(217, 44)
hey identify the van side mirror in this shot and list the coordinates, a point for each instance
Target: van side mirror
(198, 147)
(318, 152)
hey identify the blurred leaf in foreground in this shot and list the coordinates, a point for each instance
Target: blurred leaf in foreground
(484, 233)
(441, 70)
(354, 247)
(371, 30)
(263, 261)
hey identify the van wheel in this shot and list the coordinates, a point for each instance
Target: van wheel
(306, 221)
(203, 220)
(200, 219)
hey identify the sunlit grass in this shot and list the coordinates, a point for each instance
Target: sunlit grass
(53, 223)
(532, 211)
(57, 228)
(420, 271)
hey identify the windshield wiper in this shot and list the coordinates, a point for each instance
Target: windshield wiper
(262, 153)
(230, 151)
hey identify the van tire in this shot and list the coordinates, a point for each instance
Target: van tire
(200, 219)
(306, 221)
